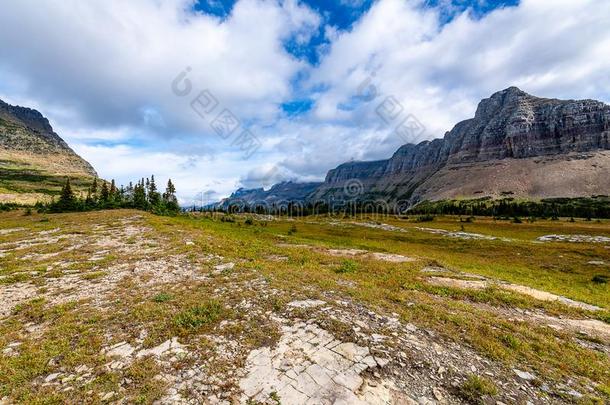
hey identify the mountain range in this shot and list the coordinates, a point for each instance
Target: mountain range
(516, 144)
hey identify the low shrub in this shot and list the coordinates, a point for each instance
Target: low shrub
(475, 388)
(199, 315)
(348, 266)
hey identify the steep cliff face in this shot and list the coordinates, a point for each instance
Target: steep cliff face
(561, 144)
(514, 124)
(34, 160)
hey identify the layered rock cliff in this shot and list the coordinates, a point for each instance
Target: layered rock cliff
(516, 143)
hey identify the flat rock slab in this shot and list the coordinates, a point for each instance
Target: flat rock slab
(532, 292)
(385, 257)
(309, 366)
(574, 238)
(306, 303)
(384, 227)
(460, 234)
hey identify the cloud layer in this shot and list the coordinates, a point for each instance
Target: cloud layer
(102, 72)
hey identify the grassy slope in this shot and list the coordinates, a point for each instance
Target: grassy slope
(36, 171)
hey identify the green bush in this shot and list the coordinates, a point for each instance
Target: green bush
(162, 297)
(425, 218)
(348, 266)
(475, 388)
(227, 218)
(199, 315)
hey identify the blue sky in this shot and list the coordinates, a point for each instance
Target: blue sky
(343, 14)
(303, 81)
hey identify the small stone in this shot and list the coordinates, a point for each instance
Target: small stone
(437, 394)
(108, 396)
(52, 377)
(224, 267)
(574, 393)
(381, 361)
(424, 401)
(524, 375)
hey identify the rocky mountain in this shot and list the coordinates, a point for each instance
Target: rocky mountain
(34, 160)
(516, 144)
(278, 193)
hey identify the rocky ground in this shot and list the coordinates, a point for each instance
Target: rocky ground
(117, 310)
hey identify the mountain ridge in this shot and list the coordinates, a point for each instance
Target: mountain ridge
(34, 160)
(516, 143)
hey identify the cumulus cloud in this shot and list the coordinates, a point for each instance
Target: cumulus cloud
(112, 62)
(102, 71)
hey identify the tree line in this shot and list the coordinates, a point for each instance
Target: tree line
(553, 208)
(101, 195)
(583, 207)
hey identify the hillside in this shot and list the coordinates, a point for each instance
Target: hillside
(34, 160)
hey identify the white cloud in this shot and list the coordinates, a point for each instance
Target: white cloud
(101, 70)
(110, 60)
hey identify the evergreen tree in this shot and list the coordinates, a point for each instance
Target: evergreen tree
(104, 194)
(94, 188)
(67, 199)
(89, 202)
(113, 190)
(154, 199)
(169, 197)
(139, 196)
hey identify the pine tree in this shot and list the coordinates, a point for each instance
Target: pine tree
(153, 195)
(139, 196)
(89, 200)
(94, 188)
(105, 193)
(169, 197)
(67, 199)
(113, 189)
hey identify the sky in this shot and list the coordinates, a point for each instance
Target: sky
(221, 94)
